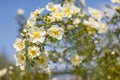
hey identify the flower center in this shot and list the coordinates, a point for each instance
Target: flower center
(22, 58)
(67, 11)
(53, 9)
(56, 32)
(42, 61)
(33, 52)
(36, 13)
(36, 34)
(20, 44)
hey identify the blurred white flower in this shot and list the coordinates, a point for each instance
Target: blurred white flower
(70, 9)
(31, 22)
(103, 28)
(83, 3)
(67, 10)
(76, 59)
(95, 13)
(47, 70)
(51, 18)
(96, 41)
(19, 44)
(58, 15)
(60, 60)
(43, 61)
(33, 51)
(113, 53)
(52, 7)
(55, 79)
(75, 9)
(20, 58)
(70, 27)
(37, 12)
(46, 53)
(76, 21)
(11, 67)
(92, 23)
(115, 1)
(56, 32)
(20, 11)
(37, 34)
(3, 72)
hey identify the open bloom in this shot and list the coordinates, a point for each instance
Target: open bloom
(76, 59)
(95, 13)
(76, 21)
(20, 59)
(42, 61)
(69, 10)
(52, 7)
(19, 44)
(58, 15)
(31, 22)
(37, 34)
(33, 51)
(56, 32)
(37, 12)
(103, 28)
(92, 23)
(57, 11)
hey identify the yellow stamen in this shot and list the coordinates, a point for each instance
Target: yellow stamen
(20, 44)
(55, 31)
(36, 35)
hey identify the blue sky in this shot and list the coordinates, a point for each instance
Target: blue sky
(9, 27)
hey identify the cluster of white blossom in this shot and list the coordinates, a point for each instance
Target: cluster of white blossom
(95, 21)
(40, 28)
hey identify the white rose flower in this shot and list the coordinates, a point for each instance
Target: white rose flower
(76, 59)
(103, 28)
(56, 32)
(42, 61)
(95, 13)
(48, 70)
(20, 58)
(19, 44)
(52, 7)
(76, 21)
(33, 51)
(92, 23)
(31, 22)
(69, 10)
(37, 12)
(58, 15)
(37, 34)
